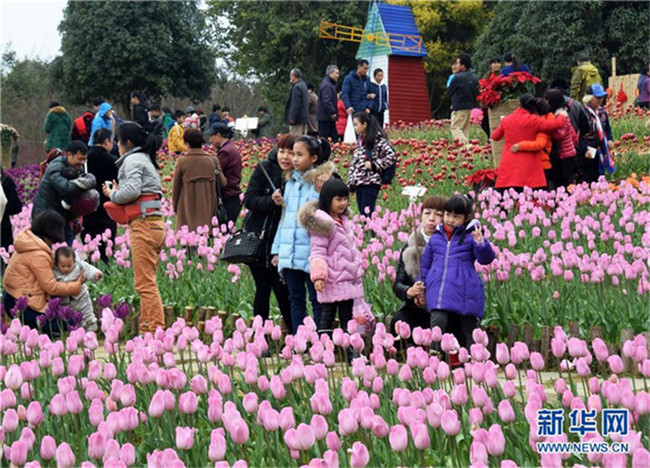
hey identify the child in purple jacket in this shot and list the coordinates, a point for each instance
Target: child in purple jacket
(454, 291)
(334, 262)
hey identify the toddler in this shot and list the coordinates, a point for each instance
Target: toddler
(455, 295)
(68, 267)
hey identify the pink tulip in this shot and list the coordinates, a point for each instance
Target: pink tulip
(287, 419)
(332, 441)
(157, 405)
(331, 459)
(48, 447)
(217, 449)
(64, 456)
(475, 416)
(250, 402)
(304, 437)
(640, 458)
(379, 427)
(18, 453)
(459, 395)
(558, 348)
(398, 438)
(199, 385)
(360, 455)
(319, 426)
(73, 402)
(127, 395)
(405, 373)
(642, 403)
(128, 419)
(239, 431)
(496, 442)
(450, 423)
(600, 349)
(28, 436)
(536, 361)
(10, 420)
(188, 403)
(127, 454)
(478, 454)
(347, 422)
(96, 445)
(13, 378)
(277, 388)
(420, 434)
(616, 364)
(503, 356)
(184, 438)
(58, 405)
(506, 412)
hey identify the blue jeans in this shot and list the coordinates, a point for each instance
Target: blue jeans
(296, 281)
(367, 197)
(69, 234)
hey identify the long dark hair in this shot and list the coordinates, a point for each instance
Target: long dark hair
(555, 99)
(138, 136)
(373, 130)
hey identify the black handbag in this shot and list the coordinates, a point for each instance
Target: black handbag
(246, 247)
(222, 214)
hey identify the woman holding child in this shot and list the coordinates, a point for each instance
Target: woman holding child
(30, 271)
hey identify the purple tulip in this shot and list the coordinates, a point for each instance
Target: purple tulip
(122, 311)
(104, 300)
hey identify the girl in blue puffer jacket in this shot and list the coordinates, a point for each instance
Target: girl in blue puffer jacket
(291, 246)
(454, 292)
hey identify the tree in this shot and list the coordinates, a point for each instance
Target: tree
(111, 48)
(447, 29)
(264, 40)
(549, 35)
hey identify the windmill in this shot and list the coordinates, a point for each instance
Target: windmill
(391, 41)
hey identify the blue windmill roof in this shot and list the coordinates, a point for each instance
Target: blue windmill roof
(399, 20)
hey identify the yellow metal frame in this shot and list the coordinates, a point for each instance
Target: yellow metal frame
(339, 32)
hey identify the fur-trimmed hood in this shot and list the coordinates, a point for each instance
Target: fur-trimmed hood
(57, 110)
(316, 221)
(310, 176)
(412, 255)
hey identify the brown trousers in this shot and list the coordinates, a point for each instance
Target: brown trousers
(147, 238)
(460, 121)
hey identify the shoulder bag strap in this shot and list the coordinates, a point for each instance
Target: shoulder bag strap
(216, 178)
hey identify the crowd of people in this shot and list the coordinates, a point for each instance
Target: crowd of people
(552, 141)
(294, 196)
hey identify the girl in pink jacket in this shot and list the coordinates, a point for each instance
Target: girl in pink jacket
(334, 262)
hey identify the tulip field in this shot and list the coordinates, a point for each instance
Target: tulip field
(185, 398)
(236, 391)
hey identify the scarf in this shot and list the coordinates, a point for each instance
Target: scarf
(605, 160)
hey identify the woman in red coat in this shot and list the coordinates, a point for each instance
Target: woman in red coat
(524, 168)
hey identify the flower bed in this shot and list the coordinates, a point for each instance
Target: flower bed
(183, 399)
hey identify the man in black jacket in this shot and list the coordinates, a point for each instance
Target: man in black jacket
(463, 90)
(56, 187)
(140, 110)
(327, 104)
(296, 111)
(101, 164)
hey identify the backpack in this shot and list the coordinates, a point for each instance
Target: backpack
(82, 127)
(53, 154)
(387, 175)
